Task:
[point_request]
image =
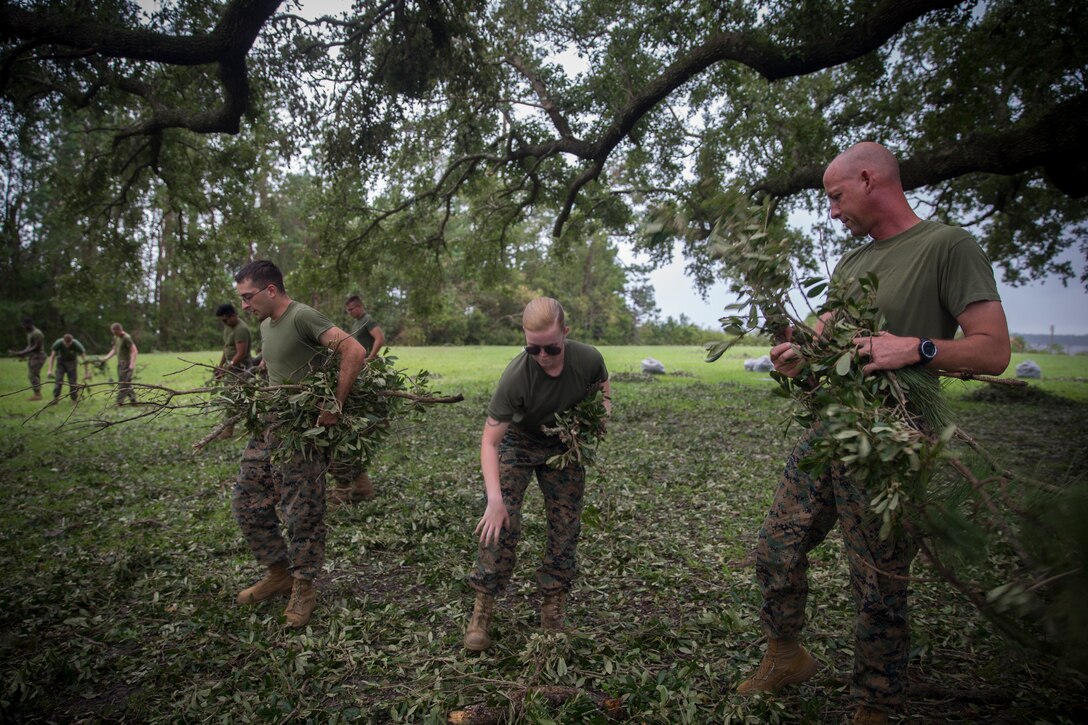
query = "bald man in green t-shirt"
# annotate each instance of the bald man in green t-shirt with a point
(550, 376)
(296, 338)
(933, 279)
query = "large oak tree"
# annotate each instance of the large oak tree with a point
(598, 113)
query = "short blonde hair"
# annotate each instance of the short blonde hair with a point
(541, 313)
(116, 326)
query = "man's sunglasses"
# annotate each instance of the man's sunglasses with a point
(552, 350)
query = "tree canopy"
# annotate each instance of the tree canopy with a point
(430, 136)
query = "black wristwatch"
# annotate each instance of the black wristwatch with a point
(927, 350)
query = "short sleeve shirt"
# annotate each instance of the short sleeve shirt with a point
(927, 276)
(122, 346)
(529, 398)
(66, 353)
(291, 345)
(232, 336)
(361, 331)
(36, 336)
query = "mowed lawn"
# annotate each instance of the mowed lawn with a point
(122, 562)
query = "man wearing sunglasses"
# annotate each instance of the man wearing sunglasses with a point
(295, 339)
(550, 376)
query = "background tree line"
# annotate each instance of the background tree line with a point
(173, 254)
(447, 158)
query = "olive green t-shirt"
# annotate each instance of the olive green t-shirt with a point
(36, 336)
(123, 347)
(291, 345)
(529, 398)
(231, 337)
(361, 331)
(66, 353)
(927, 276)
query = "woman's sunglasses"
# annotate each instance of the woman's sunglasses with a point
(552, 350)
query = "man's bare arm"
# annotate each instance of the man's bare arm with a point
(352, 359)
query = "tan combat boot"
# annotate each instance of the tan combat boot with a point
(339, 495)
(866, 715)
(552, 610)
(785, 662)
(361, 488)
(476, 637)
(301, 607)
(275, 583)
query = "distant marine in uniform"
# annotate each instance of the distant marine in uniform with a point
(34, 352)
(66, 352)
(124, 347)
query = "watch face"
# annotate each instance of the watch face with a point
(928, 349)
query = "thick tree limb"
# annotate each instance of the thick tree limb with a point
(752, 49)
(1055, 140)
(547, 103)
(226, 46)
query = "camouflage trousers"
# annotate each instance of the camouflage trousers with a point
(804, 511)
(298, 488)
(69, 369)
(34, 363)
(519, 458)
(124, 384)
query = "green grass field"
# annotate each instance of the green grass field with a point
(122, 562)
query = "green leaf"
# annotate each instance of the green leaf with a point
(842, 367)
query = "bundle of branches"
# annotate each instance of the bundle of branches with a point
(289, 412)
(99, 368)
(581, 429)
(1008, 543)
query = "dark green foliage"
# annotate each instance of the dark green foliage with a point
(581, 429)
(123, 562)
(289, 412)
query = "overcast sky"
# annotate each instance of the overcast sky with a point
(1030, 309)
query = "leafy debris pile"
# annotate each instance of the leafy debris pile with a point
(581, 429)
(380, 396)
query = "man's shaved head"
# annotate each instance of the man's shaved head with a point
(867, 155)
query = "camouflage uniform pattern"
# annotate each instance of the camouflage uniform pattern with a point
(804, 511)
(34, 363)
(298, 487)
(69, 368)
(519, 458)
(124, 384)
